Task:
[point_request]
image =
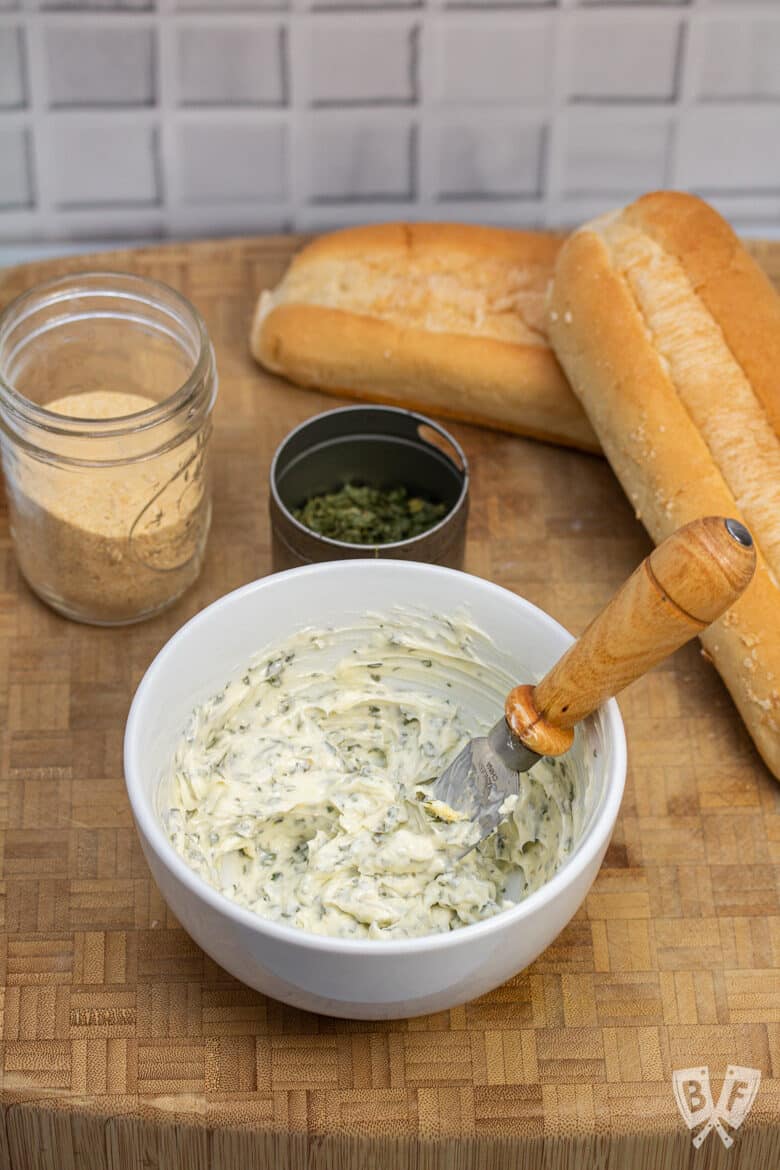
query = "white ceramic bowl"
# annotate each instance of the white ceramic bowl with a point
(346, 977)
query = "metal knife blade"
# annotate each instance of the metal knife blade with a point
(481, 777)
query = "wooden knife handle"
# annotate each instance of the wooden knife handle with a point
(683, 586)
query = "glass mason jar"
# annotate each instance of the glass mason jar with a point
(107, 383)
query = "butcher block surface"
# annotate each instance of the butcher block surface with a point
(125, 1047)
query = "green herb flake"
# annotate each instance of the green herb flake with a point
(368, 515)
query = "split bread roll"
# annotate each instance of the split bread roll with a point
(439, 317)
(670, 335)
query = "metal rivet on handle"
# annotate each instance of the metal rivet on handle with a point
(740, 533)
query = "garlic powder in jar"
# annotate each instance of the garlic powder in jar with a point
(107, 383)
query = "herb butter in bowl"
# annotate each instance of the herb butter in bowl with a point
(298, 790)
(279, 795)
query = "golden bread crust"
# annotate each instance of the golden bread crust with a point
(735, 289)
(379, 361)
(446, 318)
(611, 290)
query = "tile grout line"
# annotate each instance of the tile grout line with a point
(428, 135)
(39, 158)
(558, 127)
(167, 146)
(688, 70)
(297, 114)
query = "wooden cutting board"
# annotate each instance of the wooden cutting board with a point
(124, 1047)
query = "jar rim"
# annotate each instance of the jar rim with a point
(49, 292)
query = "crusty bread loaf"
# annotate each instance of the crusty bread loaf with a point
(670, 335)
(442, 317)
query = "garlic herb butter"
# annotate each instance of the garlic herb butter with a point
(298, 790)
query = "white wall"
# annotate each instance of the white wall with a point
(134, 118)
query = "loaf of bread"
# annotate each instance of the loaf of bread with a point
(670, 335)
(441, 317)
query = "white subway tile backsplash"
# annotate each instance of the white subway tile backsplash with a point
(190, 116)
(496, 61)
(104, 164)
(730, 149)
(618, 56)
(239, 65)
(224, 163)
(15, 179)
(12, 68)
(362, 158)
(498, 4)
(230, 5)
(368, 5)
(89, 5)
(100, 66)
(626, 3)
(614, 152)
(741, 58)
(362, 62)
(489, 158)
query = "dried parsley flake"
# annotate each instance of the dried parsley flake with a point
(369, 515)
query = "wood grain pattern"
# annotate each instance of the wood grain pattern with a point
(688, 581)
(124, 1046)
